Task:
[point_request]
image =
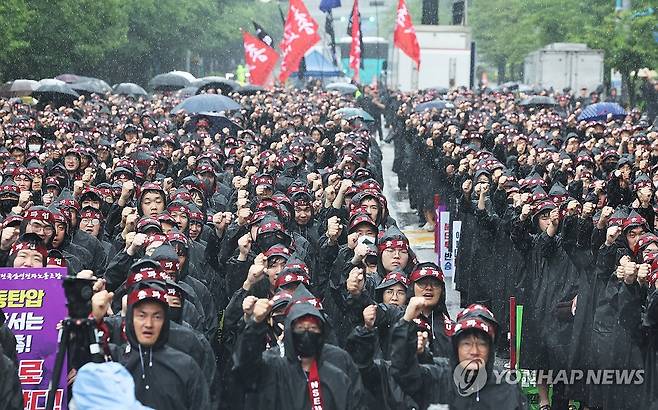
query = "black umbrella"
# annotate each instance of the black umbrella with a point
(538, 100)
(186, 92)
(60, 94)
(216, 122)
(169, 81)
(131, 89)
(206, 103)
(250, 89)
(18, 88)
(92, 86)
(439, 89)
(227, 86)
(435, 104)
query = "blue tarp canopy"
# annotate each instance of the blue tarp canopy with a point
(318, 65)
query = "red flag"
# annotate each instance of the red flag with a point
(259, 58)
(405, 34)
(355, 49)
(299, 34)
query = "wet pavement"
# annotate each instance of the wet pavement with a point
(422, 242)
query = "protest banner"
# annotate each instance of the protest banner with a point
(34, 303)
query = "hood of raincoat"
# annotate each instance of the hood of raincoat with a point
(303, 303)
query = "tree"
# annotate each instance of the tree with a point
(74, 36)
(627, 39)
(503, 32)
(14, 17)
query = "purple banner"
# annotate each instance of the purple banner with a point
(33, 301)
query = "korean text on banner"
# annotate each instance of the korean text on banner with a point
(33, 301)
(445, 248)
(456, 236)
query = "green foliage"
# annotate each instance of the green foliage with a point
(125, 40)
(14, 17)
(506, 30)
(64, 36)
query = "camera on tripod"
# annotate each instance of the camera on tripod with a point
(78, 339)
(78, 293)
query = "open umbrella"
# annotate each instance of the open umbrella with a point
(216, 121)
(227, 86)
(343, 88)
(538, 100)
(92, 86)
(50, 81)
(439, 89)
(435, 104)
(600, 111)
(71, 78)
(18, 88)
(55, 93)
(185, 74)
(349, 113)
(131, 89)
(169, 81)
(250, 89)
(206, 103)
(187, 92)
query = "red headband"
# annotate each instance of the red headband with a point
(39, 215)
(289, 278)
(426, 272)
(146, 273)
(169, 265)
(397, 277)
(21, 246)
(393, 244)
(473, 308)
(142, 294)
(91, 214)
(474, 323)
(53, 261)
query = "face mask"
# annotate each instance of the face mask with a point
(34, 147)
(7, 204)
(307, 344)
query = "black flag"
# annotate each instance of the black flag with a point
(262, 35)
(329, 29)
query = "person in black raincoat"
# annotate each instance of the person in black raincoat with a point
(300, 378)
(472, 347)
(164, 378)
(11, 393)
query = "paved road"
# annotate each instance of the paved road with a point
(421, 242)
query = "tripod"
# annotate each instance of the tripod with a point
(83, 349)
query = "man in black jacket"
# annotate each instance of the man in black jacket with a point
(302, 378)
(165, 378)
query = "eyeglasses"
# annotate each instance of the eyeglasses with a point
(399, 252)
(37, 227)
(395, 292)
(92, 222)
(429, 283)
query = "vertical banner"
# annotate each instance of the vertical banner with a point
(456, 236)
(445, 249)
(34, 303)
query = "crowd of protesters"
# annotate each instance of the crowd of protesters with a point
(557, 212)
(250, 261)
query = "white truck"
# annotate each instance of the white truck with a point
(445, 59)
(562, 65)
